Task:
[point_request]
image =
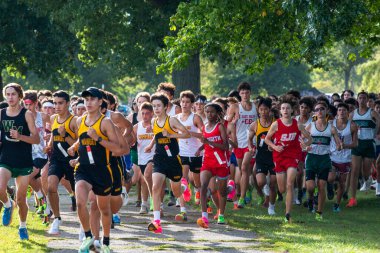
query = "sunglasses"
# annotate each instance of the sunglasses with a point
(320, 109)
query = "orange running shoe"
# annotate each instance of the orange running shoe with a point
(155, 227)
(236, 207)
(203, 222)
(197, 197)
(187, 193)
(209, 210)
(352, 202)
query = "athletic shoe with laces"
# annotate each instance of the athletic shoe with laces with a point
(144, 210)
(138, 203)
(352, 202)
(366, 185)
(271, 211)
(155, 227)
(186, 193)
(231, 191)
(86, 244)
(318, 216)
(73, 204)
(241, 203)
(177, 204)
(41, 209)
(81, 234)
(221, 220)
(378, 189)
(8, 214)
(105, 249)
(97, 246)
(125, 198)
(116, 218)
(197, 197)
(288, 219)
(182, 216)
(203, 222)
(279, 197)
(54, 229)
(248, 197)
(23, 233)
(336, 208)
(172, 201)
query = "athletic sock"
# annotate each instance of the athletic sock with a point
(88, 234)
(205, 215)
(144, 203)
(183, 209)
(156, 215)
(106, 241)
(22, 224)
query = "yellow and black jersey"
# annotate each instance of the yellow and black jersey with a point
(60, 146)
(165, 146)
(263, 153)
(90, 151)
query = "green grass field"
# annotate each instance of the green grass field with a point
(37, 242)
(351, 230)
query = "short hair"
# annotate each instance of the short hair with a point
(187, 94)
(79, 101)
(308, 101)
(223, 101)
(323, 103)
(234, 94)
(275, 97)
(336, 95)
(143, 94)
(62, 94)
(266, 102)
(324, 99)
(147, 106)
(232, 100)
(377, 102)
(244, 86)
(363, 93)
(104, 104)
(17, 87)
(74, 98)
(338, 100)
(372, 95)
(201, 97)
(160, 96)
(218, 109)
(31, 95)
(343, 105)
(110, 97)
(349, 91)
(288, 99)
(294, 93)
(46, 93)
(169, 87)
(351, 101)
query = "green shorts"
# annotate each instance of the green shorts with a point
(365, 148)
(16, 172)
(134, 157)
(317, 165)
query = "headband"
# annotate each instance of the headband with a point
(80, 105)
(199, 100)
(47, 104)
(28, 101)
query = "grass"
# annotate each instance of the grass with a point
(37, 242)
(351, 230)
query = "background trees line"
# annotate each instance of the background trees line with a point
(275, 44)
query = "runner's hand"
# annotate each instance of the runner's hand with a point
(14, 134)
(92, 134)
(71, 151)
(279, 149)
(62, 131)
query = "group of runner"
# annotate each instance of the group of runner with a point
(221, 149)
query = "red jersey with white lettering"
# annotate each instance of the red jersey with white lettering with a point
(213, 156)
(289, 137)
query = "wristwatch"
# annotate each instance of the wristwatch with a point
(99, 139)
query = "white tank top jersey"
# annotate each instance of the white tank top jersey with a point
(321, 140)
(342, 156)
(143, 140)
(366, 125)
(188, 147)
(38, 149)
(243, 123)
(171, 113)
(307, 122)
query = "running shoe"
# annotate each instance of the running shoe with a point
(181, 217)
(73, 204)
(336, 208)
(29, 192)
(221, 220)
(81, 234)
(330, 191)
(171, 201)
(266, 190)
(197, 197)
(155, 227)
(23, 233)
(186, 193)
(138, 203)
(203, 222)
(105, 249)
(235, 207)
(271, 211)
(41, 209)
(352, 202)
(310, 205)
(241, 203)
(54, 229)
(209, 210)
(116, 219)
(97, 246)
(144, 210)
(86, 244)
(288, 219)
(378, 189)
(231, 191)
(260, 200)
(248, 197)
(46, 218)
(125, 198)
(8, 214)
(345, 196)
(177, 204)
(279, 197)
(318, 217)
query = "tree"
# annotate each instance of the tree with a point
(255, 34)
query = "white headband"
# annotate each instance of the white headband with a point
(80, 105)
(47, 104)
(199, 100)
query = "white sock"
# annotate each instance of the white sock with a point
(144, 203)
(156, 215)
(39, 194)
(123, 190)
(205, 215)
(271, 205)
(8, 203)
(22, 224)
(183, 209)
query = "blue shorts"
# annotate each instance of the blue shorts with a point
(233, 159)
(128, 162)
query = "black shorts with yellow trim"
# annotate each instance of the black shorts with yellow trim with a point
(171, 167)
(62, 169)
(99, 177)
(117, 172)
(195, 163)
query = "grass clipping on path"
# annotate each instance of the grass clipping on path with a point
(352, 230)
(10, 241)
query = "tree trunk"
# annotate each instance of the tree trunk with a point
(1, 85)
(347, 77)
(188, 78)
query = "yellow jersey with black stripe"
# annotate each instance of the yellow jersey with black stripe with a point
(165, 146)
(263, 154)
(90, 151)
(60, 146)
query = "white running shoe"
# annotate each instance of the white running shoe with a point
(125, 198)
(97, 245)
(81, 236)
(266, 190)
(366, 185)
(378, 189)
(177, 204)
(271, 211)
(144, 210)
(54, 229)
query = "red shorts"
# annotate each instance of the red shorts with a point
(303, 156)
(239, 152)
(342, 168)
(221, 172)
(282, 164)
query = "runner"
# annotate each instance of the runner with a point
(18, 133)
(167, 163)
(199, 107)
(286, 149)
(377, 140)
